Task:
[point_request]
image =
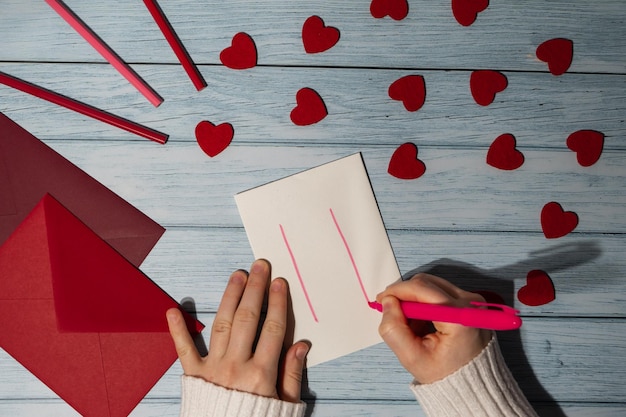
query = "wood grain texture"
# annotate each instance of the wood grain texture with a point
(429, 37)
(463, 220)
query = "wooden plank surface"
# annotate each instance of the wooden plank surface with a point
(463, 220)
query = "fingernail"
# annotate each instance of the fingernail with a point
(258, 266)
(301, 352)
(277, 285)
(172, 316)
(237, 277)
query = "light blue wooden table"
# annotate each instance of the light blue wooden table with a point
(463, 219)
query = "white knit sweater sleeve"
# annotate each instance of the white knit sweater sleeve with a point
(482, 388)
(204, 399)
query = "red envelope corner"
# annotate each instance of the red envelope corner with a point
(81, 317)
(29, 169)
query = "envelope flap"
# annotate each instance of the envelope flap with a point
(95, 288)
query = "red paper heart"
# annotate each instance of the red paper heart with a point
(396, 9)
(214, 139)
(557, 53)
(588, 146)
(485, 84)
(503, 154)
(466, 11)
(539, 289)
(241, 54)
(310, 107)
(404, 163)
(555, 222)
(410, 90)
(317, 37)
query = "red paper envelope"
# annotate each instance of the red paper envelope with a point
(29, 169)
(79, 316)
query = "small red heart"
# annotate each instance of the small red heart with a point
(555, 222)
(466, 11)
(396, 9)
(410, 90)
(485, 84)
(241, 54)
(539, 289)
(587, 144)
(557, 53)
(404, 163)
(310, 108)
(317, 37)
(214, 139)
(503, 154)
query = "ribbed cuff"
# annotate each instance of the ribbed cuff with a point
(482, 388)
(204, 399)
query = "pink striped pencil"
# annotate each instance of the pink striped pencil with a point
(176, 44)
(82, 108)
(114, 59)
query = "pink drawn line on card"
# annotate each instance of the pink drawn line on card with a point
(105, 50)
(345, 243)
(295, 265)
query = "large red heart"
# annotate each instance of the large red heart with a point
(503, 154)
(466, 11)
(310, 107)
(557, 53)
(539, 289)
(404, 163)
(410, 90)
(214, 139)
(396, 9)
(241, 54)
(485, 84)
(588, 146)
(317, 37)
(555, 222)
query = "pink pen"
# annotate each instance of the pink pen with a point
(504, 318)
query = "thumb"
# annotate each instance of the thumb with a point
(290, 383)
(397, 334)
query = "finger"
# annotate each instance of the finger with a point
(290, 383)
(223, 323)
(246, 320)
(270, 343)
(185, 348)
(397, 334)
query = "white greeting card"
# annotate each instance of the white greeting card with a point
(321, 229)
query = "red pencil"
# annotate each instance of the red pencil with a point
(114, 59)
(82, 108)
(176, 44)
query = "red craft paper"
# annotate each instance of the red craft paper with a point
(404, 163)
(80, 317)
(556, 222)
(214, 139)
(241, 54)
(29, 169)
(485, 84)
(396, 9)
(588, 146)
(539, 289)
(310, 108)
(466, 11)
(557, 53)
(410, 90)
(503, 153)
(317, 37)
